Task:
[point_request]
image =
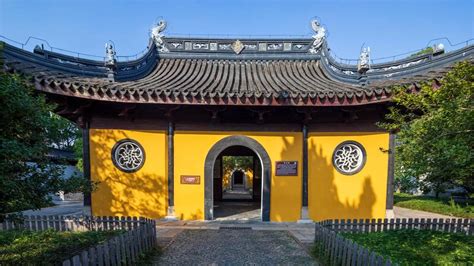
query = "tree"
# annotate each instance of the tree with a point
(78, 152)
(62, 134)
(65, 135)
(435, 126)
(28, 130)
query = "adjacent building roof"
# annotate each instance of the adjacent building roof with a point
(227, 72)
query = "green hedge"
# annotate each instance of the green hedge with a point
(46, 247)
(419, 247)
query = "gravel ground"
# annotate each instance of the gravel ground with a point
(234, 247)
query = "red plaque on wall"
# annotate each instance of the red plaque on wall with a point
(286, 168)
(190, 179)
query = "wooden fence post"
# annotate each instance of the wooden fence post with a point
(129, 246)
(107, 253)
(111, 245)
(76, 261)
(416, 223)
(379, 225)
(465, 229)
(355, 254)
(92, 256)
(470, 230)
(85, 258)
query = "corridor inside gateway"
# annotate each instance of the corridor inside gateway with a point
(237, 185)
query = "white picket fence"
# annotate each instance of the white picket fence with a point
(124, 249)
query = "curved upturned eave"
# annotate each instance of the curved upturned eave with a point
(266, 79)
(131, 98)
(394, 70)
(75, 66)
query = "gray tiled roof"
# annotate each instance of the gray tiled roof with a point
(293, 77)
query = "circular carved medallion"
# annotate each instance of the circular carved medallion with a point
(128, 155)
(349, 157)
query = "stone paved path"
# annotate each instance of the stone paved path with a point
(237, 211)
(61, 208)
(168, 230)
(400, 212)
(234, 247)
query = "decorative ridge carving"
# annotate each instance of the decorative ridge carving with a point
(318, 38)
(237, 46)
(110, 61)
(157, 36)
(364, 61)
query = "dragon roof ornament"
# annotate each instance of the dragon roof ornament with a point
(157, 36)
(363, 64)
(319, 37)
(110, 60)
(110, 54)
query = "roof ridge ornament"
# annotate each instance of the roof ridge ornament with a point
(157, 36)
(238, 46)
(364, 60)
(319, 37)
(110, 60)
(110, 53)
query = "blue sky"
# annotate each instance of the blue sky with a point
(388, 27)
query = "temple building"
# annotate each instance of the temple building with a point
(159, 130)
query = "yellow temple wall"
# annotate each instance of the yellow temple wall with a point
(191, 149)
(142, 193)
(333, 195)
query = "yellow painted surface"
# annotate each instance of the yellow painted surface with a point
(143, 193)
(191, 149)
(331, 194)
(334, 195)
(249, 178)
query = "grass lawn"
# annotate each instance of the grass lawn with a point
(46, 247)
(430, 204)
(408, 247)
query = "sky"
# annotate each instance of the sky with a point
(387, 27)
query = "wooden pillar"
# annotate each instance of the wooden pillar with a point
(171, 214)
(305, 166)
(86, 163)
(390, 177)
(304, 218)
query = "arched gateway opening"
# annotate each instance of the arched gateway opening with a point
(213, 176)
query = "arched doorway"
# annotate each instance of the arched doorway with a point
(229, 143)
(238, 178)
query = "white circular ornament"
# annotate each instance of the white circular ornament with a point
(128, 155)
(349, 157)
